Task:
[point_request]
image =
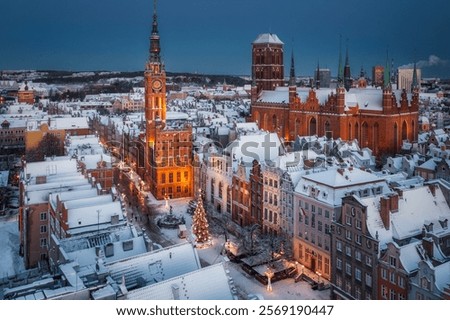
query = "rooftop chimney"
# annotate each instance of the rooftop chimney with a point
(428, 245)
(175, 291)
(394, 202)
(384, 211)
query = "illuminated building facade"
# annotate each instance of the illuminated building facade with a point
(169, 146)
(378, 119)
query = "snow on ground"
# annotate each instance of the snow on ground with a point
(10, 263)
(285, 289)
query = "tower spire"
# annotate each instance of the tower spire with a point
(155, 48)
(387, 72)
(318, 75)
(340, 76)
(292, 71)
(414, 84)
(347, 73)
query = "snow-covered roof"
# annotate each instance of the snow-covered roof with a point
(409, 256)
(93, 214)
(247, 127)
(442, 276)
(416, 207)
(71, 195)
(91, 161)
(123, 249)
(87, 201)
(330, 186)
(339, 178)
(50, 167)
(268, 38)
(62, 123)
(4, 176)
(261, 146)
(430, 164)
(279, 95)
(155, 266)
(173, 115)
(365, 98)
(210, 283)
(39, 193)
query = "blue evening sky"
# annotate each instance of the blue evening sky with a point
(214, 36)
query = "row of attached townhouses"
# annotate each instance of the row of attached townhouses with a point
(372, 235)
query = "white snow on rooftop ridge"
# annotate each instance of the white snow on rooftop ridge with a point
(338, 178)
(87, 201)
(268, 38)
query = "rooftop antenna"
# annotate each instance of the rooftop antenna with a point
(98, 218)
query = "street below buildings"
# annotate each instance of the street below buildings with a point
(145, 216)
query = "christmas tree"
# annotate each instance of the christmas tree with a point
(200, 224)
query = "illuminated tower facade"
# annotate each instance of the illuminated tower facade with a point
(169, 171)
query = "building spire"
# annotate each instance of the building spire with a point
(347, 74)
(387, 72)
(155, 48)
(292, 81)
(340, 76)
(318, 75)
(415, 83)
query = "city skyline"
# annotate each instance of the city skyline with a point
(212, 37)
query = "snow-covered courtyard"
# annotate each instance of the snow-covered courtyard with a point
(245, 284)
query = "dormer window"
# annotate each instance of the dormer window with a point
(429, 227)
(444, 223)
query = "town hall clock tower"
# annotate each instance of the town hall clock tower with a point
(168, 165)
(155, 85)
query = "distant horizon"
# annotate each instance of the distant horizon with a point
(212, 37)
(184, 72)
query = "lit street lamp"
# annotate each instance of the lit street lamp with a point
(269, 274)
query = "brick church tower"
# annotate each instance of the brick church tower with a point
(267, 62)
(168, 167)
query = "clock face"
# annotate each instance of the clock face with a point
(157, 84)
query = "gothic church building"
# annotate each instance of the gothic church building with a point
(380, 119)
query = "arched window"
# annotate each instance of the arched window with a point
(356, 134)
(212, 189)
(297, 126)
(274, 122)
(404, 131)
(364, 135)
(328, 132)
(395, 137)
(312, 127)
(220, 190)
(376, 137)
